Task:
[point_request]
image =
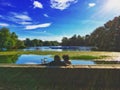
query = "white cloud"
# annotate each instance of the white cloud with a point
(38, 26)
(4, 24)
(25, 23)
(21, 16)
(92, 4)
(62, 4)
(37, 4)
(45, 15)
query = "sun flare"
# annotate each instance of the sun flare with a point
(111, 5)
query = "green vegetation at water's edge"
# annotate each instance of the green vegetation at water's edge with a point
(72, 54)
(88, 57)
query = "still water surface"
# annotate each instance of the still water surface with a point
(60, 48)
(39, 59)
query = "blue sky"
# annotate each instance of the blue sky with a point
(54, 19)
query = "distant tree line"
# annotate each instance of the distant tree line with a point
(76, 40)
(106, 38)
(37, 42)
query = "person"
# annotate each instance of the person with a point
(57, 62)
(66, 59)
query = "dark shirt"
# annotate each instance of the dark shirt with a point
(56, 63)
(67, 62)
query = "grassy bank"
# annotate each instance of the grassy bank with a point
(72, 54)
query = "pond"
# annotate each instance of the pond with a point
(59, 48)
(39, 59)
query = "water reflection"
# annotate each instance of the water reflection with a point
(33, 59)
(8, 58)
(39, 59)
(59, 48)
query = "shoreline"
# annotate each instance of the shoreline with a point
(91, 55)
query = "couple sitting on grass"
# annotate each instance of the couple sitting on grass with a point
(57, 61)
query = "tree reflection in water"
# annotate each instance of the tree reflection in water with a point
(8, 58)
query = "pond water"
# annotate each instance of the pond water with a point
(60, 48)
(39, 59)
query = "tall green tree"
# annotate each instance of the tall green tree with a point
(107, 37)
(7, 40)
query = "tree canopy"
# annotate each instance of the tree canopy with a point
(107, 37)
(8, 40)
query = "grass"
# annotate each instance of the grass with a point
(87, 57)
(73, 54)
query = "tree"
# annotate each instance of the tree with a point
(107, 37)
(73, 41)
(28, 42)
(47, 43)
(20, 44)
(7, 40)
(65, 41)
(35, 42)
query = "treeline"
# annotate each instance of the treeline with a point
(76, 40)
(9, 41)
(104, 38)
(37, 42)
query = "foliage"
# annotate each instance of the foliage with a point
(37, 42)
(87, 57)
(107, 37)
(8, 59)
(8, 40)
(75, 41)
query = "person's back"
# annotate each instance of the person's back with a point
(66, 59)
(57, 62)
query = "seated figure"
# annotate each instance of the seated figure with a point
(57, 62)
(66, 59)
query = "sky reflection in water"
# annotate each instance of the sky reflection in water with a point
(37, 59)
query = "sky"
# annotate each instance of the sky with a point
(54, 19)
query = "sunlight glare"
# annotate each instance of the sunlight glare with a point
(112, 5)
